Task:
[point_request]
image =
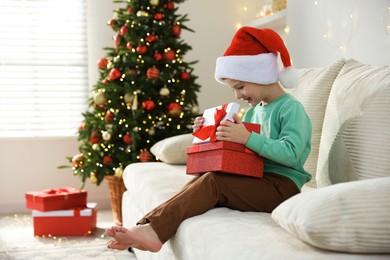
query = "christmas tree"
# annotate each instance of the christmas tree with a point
(146, 91)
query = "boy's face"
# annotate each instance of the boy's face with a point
(251, 93)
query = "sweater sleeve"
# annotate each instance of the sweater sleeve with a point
(287, 143)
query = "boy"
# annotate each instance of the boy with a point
(249, 68)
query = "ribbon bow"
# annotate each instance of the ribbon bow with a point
(57, 191)
(210, 130)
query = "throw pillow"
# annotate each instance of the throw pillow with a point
(172, 150)
(312, 91)
(355, 137)
(348, 217)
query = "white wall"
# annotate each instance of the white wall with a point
(363, 35)
(29, 164)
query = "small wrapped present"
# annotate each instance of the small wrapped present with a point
(209, 155)
(56, 199)
(71, 222)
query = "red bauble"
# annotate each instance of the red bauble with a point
(117, 39)
(129, 10)
(169, 6)
(157, 56)
(109, 117)
(174, 109)
(185, 75)
(127, 139)
(142, 49)
(158, 16)
(105, 81)
(114, 74)
(129, 45)
(151, 38)
(111, 23)
(169, 55)
(95, 137)
(102, 63)
(176, 30)
(152, 73)
(145, 156)
(124, 29)
(148, 105)
(107, 160)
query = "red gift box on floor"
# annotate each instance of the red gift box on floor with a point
(55, 199)
(71, 222)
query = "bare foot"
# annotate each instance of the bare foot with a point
(142, 237)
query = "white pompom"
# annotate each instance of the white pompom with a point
(289, 76)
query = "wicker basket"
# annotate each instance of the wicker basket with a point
(116, 188)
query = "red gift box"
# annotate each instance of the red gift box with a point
(224, 157)
(72, 222)
(55, 199)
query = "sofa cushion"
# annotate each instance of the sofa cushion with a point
(355, 141)
(347, 217)
(220, 233)
(312, 91)
(152, 183)
(172, 150)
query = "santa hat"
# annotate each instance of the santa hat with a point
(252, 57)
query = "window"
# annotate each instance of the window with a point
(43, 67)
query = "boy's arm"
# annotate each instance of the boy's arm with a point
(288, 147)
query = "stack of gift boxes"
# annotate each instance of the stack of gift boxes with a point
(207, 154)
(61, 212)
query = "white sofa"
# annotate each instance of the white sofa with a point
(343, 213)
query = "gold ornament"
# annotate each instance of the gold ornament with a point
(135, 102)
(142, 13)
(154, 2)
(99, 98)
(106, 136)
(128, 98)
(95, 147)
(92, 178)
(118, 172)
(152, 131)
(195, 110)
(164, 91)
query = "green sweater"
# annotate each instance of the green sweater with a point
(285, 138)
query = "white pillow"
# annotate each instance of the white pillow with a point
(172, 150)
(347, 217)
(312, 91)
(355, 141)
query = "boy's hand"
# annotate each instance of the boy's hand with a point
(233, 132)
(198, 122)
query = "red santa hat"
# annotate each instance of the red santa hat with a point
(252, 57)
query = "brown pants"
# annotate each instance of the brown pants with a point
(219, 190)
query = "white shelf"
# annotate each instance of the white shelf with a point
(275, 20)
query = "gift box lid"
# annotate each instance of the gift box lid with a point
(54, 194)
(88, 211)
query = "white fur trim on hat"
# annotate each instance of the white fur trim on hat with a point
(288, 77)
(260, 69)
